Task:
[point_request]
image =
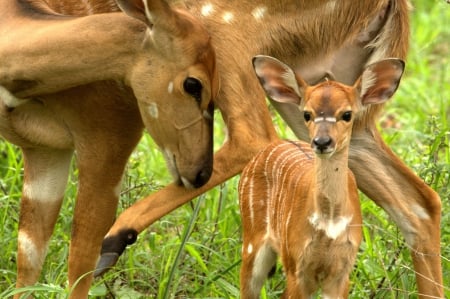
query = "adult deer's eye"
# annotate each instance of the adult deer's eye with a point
(347, 116)
(193, 87)
(307, 116)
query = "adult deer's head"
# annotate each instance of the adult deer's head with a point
(175, 80)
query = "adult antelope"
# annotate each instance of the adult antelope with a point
(162, 57)
(324, 37)
(307, 210)
(318, 39)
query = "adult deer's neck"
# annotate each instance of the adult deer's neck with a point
(331, 212)
(49, 47)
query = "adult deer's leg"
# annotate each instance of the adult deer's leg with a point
(411, 204)
(45, 178)
(101, 169)
(227, 163)
(229, 160)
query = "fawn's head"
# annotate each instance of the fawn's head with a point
(329, 108)
(175, 80)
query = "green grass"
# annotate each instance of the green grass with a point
(195, 251)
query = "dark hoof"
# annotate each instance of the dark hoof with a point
(106, 261)
(112, 248)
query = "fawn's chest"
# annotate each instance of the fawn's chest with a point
(319, 250)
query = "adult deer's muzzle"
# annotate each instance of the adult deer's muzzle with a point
(190, 156)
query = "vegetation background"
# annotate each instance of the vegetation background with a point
(195, 251)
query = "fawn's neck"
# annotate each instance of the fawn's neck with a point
(331, 205)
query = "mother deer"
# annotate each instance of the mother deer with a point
(326, 38)
(318, 39)
(71, 84)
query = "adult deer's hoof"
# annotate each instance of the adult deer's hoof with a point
(113, 246)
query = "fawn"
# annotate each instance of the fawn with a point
(300, 201)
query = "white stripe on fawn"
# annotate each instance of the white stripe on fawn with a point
(327, 119)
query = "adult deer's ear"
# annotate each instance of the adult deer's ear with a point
(150, 12)
(379, 81)
(278, 80)
(134, 8)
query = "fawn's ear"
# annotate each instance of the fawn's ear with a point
(379, 81)
(278, 80)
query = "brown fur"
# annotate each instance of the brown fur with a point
(379, 173)
(90, 84)
(307, 210)
(291, 24)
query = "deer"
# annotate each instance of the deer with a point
(300, 201)
(317, 38)
(334, 39)
(86, 78)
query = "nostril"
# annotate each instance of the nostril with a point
(202, 177)
(322, 142)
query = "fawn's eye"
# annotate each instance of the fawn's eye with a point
(193, 87)
(307, 116)
(347, 116)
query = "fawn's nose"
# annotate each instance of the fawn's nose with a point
(322, 143)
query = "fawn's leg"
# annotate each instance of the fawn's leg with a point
(45, 178)
(294, 289)
(337, 290)
(257, 261)
(412, 205)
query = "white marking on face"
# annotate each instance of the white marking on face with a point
(259, 12)
(228, 17)
(332, 228)
(153, 110)
(207, 9)
(48, 186)
(420, 212)
(34, 256)
(326, 119)
(9, 99)
(170, 87)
